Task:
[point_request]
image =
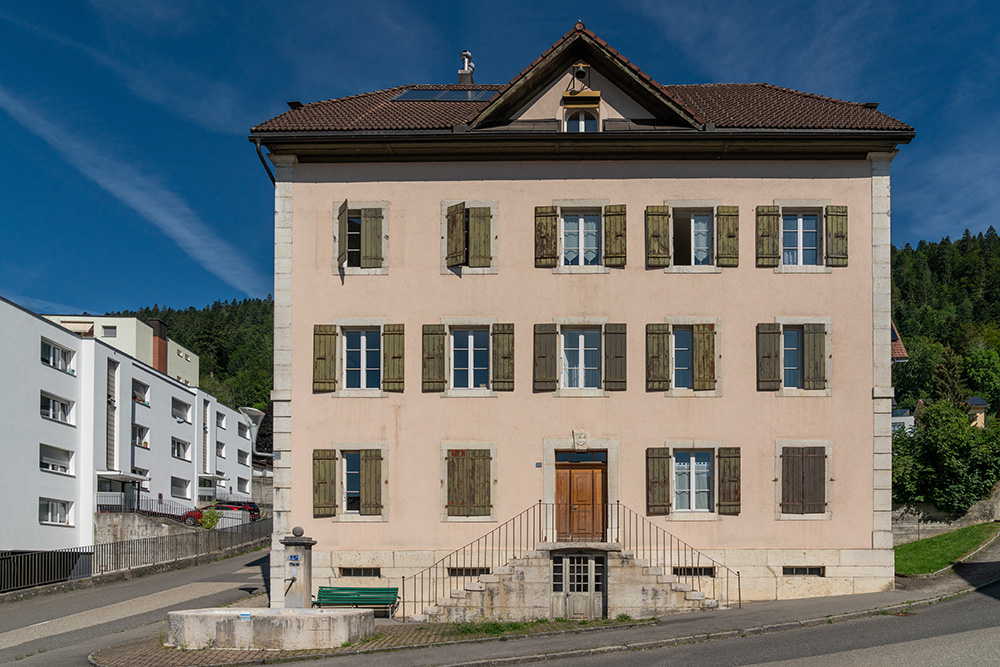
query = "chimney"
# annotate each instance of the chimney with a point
(468, 67)
(159, 345)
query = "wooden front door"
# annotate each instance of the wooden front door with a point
(580, 501)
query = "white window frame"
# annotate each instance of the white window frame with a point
(59, 357)
(242, 457)
(342, 514)
(692, 489)
(65, 510)
(242, 485)
(184, 447)
(139, 436)
(354, 205)
(468, 336)
(579, 332)
(674, 349)
(60, 410)
(220, 482)
(681, 215)
(808, 206)
(710, 446)
(140, 392)
(63, 465)
(176, 403)
(593, 112)
(220, 449)
(344, 473)
(364, 369)
(681, 207)
(580, 214)
(220, 420)
(690, 322)
(800, 231)
(799, 368)
(109, 331)
(827, 323)
(185, 490)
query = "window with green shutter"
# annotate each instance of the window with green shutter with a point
(657, 236)
(727, 236)
(503, 357)
(814, 352)
(657, 357)
(836, 236)
(469, 233)
(392, 359)
(768, 240)
(704, 357)
(468, 482)
(729, 480)
(614, 236)
(324, 357)
(433, 375)
(546, 236)
(324, 483)
(371, 482)
(615, 359)
(545, 375)
(371, 238)
(359, 237)
(768, 357)
(658, 496)
(803, 480)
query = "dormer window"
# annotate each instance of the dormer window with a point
(579, 120)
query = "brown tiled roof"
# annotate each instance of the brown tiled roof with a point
(899, 352)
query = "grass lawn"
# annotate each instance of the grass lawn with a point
(934, 553)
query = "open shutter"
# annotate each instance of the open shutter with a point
(546, 236)
(480, 254)
(455, 225)
(371, 482)
(704, 357)
(615, 361)
(503, 357)
(658, 481)
(814, 350)
(657, 236)
(342, 234)
(456, 502)
(371, 238)
(768, 246)
(479, 482)
(614, 235)
(324, 482)
(727, 237)
(768, 357)
(657, 357)
(324, 357)
(836, 236)
(545, 358)
(729, 480)
(392, 357)
(433, 370)
(791, 480)
(813, 480)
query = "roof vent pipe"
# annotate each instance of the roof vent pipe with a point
(468, 67)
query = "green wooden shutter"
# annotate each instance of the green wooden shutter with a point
(371, 238)
(456, 502)
(768, 242)
(503, 357)
(480, 235)
(813, 480)
(791, 480)
(455, 242)
(546, 347)
(814, 351)
(658, 481)
(392, 357)
(836, 236)
(324, 482)
(614, 235)
(704, 357)
(342, 234)
(657, 357)
(729, 480)
(324, 357)
(546, 236)
(468, 482)
(479, 482)
(615, 360)
(433, 368)
(727, 236)
(371, 482)
(657, 236)
(768, 357)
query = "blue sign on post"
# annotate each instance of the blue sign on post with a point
(293, 558)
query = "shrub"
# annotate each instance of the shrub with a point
(209, 518)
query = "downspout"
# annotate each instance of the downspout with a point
(264, 162)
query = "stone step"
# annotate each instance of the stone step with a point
(489, 578)
(537, 554)
(666, 579)
(459, 593)
(503, 569)
(709, 603)
(694, 595)
(514, 562)
(680, 587)
(475, 586)
(433, 611)
(418, 618)
(447, 602)
(641, 562)
(649, 571)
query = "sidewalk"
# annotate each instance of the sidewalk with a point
(565, 640)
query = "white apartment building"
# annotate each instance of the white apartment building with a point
(83, 419)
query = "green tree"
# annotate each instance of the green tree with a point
(948, 383)
(981, 367)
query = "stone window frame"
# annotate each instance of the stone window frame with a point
(492, 269)
(342, 516)
(694, 205)
(828, 481)
(798, 321)
(802, 205)
(357, 270)
(561, 204)
(466, 323)
(689, 321)
(494, 449)
(712, 446)
(358, 323)
(590, 322)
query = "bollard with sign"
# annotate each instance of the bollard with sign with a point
(298, 570)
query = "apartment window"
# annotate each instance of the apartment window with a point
(692, 237)
(468, 236)
(470, 358)
(242, 485)
(352, 482)
(54, 512)
(180, 410)
(362, 358)
(792, 356)
(109, 332)
(140, 436)
(803, 480)
(56, 409)
(220, 450)
(581, 358)
(581, 237)
(692, 481)
(180, 449)
(142, 472)
(55, 356)
(360, 237)
(800, 234)
(243, 431)
(683, 357)
(468, 480)
(243, 458)
(220, 420)
(140, 392)
(349, 480)
(180, 488)
(53, 459)
(581, 121)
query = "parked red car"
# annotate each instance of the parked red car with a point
(194, 516)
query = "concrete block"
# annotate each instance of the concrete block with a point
(503, 569)
(781, 557)
(882, 499)
(883, 479)
(652, 571)
(882, 445)
(882, 539)
(740, 558)
(709, 603)
(475, 586)
(362, 558)
(666, 579)
(459, 594)
(489, 578)
(413, 558)
(883, 461)
(282, 629)
(680, 587)
(694, 595)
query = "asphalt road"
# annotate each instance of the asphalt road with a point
(64, 628)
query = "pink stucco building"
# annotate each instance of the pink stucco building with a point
(590, 315)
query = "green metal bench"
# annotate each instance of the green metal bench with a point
(336, 596)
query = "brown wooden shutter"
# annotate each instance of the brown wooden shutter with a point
(342, 234)
(392, 357)
(371, 238)
(455, 237)
(480, 235)
(468, 472)
(546, 236)
(658, 481)
(814, 351)
(324, 357)
(836, 236)
(768, 242)
(433, 368)
(615, 360)
(546, 348)
(791, 480)
(813, 480)
(324, 482)
(503, 357)
(768, 357)
(729, 480)
(657, 357)
(727, 236)
(614, 235)
(371, 482)
(704, 357)
(657, 236)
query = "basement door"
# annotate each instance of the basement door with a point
(579, 583)
(581, 488)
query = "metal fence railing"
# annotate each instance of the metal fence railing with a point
(117, 501)
(25, 570)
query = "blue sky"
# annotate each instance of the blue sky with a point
(129, 181)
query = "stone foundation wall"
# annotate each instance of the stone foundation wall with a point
(916, 522)
(117, 526)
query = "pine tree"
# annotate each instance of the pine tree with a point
(948, 383)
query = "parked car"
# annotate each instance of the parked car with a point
(253, 508)
(194, 516)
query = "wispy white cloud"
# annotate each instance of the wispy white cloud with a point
(44, 307)
(144, 194)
